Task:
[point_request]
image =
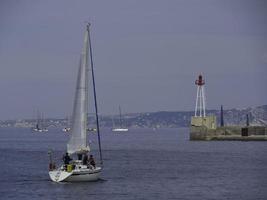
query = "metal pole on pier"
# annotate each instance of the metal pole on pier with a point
(222, 117)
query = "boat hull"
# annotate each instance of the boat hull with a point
(120, 129)
(66, 129)
(83, 175)
(40, 130)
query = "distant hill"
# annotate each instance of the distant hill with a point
(257, 116)
(171, 119)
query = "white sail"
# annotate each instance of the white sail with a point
(78, 136)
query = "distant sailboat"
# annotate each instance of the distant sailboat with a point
(77, 170)
(93, 130)
(40, 123)
(90, 128)
(120, 128)
(67, 127)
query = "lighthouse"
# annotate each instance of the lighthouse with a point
(200, 121)
(200, 108)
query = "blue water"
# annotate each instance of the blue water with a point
(140, 164)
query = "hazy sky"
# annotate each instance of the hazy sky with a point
(147, 54)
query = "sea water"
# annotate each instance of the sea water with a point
(139, 164)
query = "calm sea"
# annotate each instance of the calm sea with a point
(141, 164)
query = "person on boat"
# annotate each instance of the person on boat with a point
(85, 159)
(92, 161)
(79, 155)
(67, 159)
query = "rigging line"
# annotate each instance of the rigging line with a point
(96, 110)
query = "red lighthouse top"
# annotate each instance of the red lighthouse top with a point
(200, 81)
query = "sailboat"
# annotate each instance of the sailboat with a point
(67, 128)
(40, 123)
(77, 170)
(120, 128)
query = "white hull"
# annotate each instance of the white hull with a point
(120, 129)
(40, 130)
(66, 129)
(77, 175)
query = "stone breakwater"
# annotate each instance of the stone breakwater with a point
(232, 133)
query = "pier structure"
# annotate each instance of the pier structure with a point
(204, 127)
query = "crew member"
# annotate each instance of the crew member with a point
(67, 159)
(85, 159)
(92, 161)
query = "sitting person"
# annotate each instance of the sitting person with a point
(67, 159)
(85, 159)
(92, 161)
(79, 155)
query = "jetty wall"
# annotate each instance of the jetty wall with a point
(228, 133)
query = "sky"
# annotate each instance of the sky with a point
(147, 54)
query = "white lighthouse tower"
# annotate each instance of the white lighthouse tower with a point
(200, 119)
(200, 109)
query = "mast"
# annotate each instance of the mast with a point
(113, 123)
(38, 120)
(96, 110)
(43, 122)
(120, 117)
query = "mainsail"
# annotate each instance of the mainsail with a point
(78, 136)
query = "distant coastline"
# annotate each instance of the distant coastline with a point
(161, 119)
